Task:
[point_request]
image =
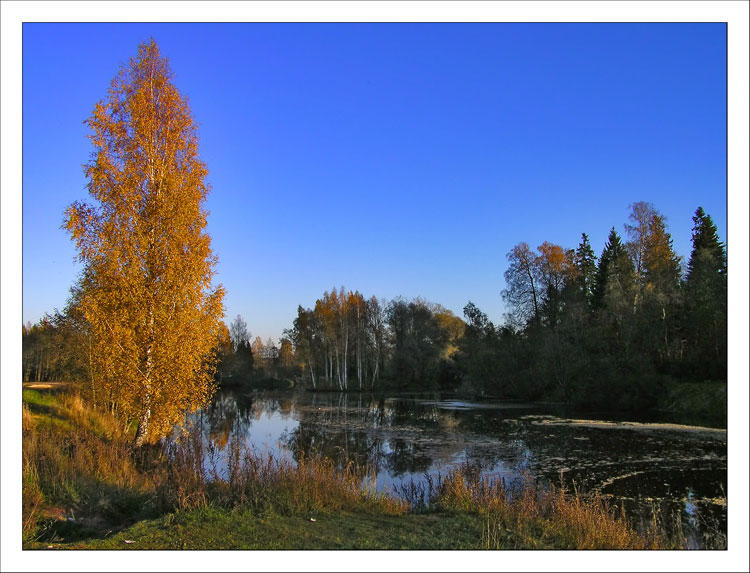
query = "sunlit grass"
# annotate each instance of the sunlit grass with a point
(532, 516)
(77, 464)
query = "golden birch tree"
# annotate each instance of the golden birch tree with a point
(148, 266)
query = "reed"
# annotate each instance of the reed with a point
(266, 483)
(532, 516)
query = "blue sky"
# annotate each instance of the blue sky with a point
(396, 159)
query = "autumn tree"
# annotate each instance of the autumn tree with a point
(535, 283)
(258, 350)
(661, 291)
(287, 360)
(345, 334)
(341, 318)
(554, 268)
(341, 306)
(358, 318)
(326, 315)
(148, 265)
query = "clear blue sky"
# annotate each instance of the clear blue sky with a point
(400, 159)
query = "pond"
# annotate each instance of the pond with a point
(678, 472)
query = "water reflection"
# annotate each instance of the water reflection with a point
(648, 469)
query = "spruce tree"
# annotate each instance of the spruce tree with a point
(708, 257)
(615, 271)
(585, 262)
(706, 299)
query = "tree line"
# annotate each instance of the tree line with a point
(604, 331)
(601, 331)
(242, 359)
(349, 342)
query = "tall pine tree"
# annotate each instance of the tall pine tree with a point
(585, 262)
(706, 299)
(615, 273)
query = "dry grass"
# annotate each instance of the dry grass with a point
(32, 498)
(77, 463)
(267, 483)
(532, 516)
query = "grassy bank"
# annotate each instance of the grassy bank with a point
(84, 488)
(700, 403)
(213, 528)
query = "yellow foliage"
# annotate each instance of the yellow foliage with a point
(147, 282)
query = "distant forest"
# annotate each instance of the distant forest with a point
(602, 332)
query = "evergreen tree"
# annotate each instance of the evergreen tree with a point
(613, 299)
(706, 299)
(708, 259)
(585, 262)
(615, 272)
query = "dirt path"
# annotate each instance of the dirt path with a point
(46, 385)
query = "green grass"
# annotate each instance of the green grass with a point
(77, 465)
(39, 398)
(212, 528)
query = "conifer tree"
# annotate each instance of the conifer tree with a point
(585, 262)
(615, 273)
(708, 257)
(148, 266)
(706, 298)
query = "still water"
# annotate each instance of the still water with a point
(679, 472)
